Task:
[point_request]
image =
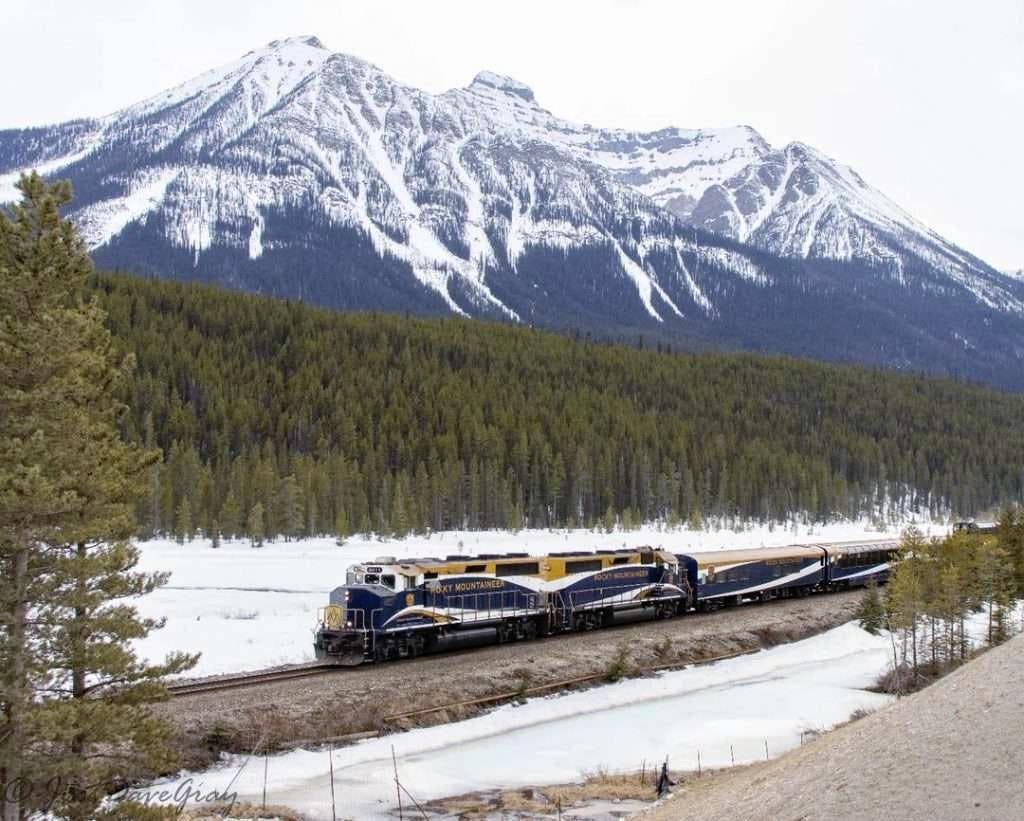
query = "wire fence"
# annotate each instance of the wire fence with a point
(661, 773)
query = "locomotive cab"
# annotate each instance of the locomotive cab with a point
(370, 591)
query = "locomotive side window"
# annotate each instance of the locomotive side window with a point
(372, 578)
(388, 581)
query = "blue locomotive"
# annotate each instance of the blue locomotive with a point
(390, 609)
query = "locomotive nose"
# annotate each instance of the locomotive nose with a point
(337, 640)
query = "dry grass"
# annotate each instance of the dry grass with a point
(606, 787)
(240, 812)
(535, 801)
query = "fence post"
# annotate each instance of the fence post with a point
(398, 787)
(265, 757)
(330, 758)
(766, 749)
(698, 763)
(732, 755)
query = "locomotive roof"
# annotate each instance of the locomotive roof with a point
(421, 561)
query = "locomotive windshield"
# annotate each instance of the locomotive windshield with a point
(356, 575)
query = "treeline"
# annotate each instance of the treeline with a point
(936, 587)
(279, 419)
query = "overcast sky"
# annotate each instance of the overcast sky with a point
(925, 99)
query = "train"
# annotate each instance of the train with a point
(976, 528)
(390, 609)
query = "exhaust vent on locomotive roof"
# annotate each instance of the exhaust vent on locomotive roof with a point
(384, 560)
(501, 556)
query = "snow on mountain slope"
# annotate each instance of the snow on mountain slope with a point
(450, 185)
(313, 175)
(799, 202)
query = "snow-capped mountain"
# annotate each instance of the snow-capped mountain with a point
(302, 173)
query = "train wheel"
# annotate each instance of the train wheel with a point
(415, 646)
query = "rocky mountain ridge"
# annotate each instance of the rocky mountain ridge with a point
(313, 175)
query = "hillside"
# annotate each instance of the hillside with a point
(952, 752)
(357, 422)
(301, 173)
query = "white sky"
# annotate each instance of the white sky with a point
(925, 99)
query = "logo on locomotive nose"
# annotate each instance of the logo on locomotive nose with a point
(410, 599)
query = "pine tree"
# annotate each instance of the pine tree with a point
(341, 527)
(231, 516)
(399, 507)
(68, 488)
(609, 519)
(254, 524)
(183, 531)
(290, 512)
(871, 613)
(989, 565)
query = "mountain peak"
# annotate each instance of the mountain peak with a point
(305, 40)
(501, 82)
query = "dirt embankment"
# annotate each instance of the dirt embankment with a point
(363, 699)
(952, 752)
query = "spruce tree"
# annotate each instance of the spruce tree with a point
(183, 521)
(341, 528)
(871, 613)
(73, 695)
(290, 508)
(255, 526)
(231, 516)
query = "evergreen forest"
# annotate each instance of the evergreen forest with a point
(278, 419)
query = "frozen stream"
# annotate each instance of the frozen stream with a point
(769, 698)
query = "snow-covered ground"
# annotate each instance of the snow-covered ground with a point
(245, 608)
(728, 711)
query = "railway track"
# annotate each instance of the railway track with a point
(231, 682)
